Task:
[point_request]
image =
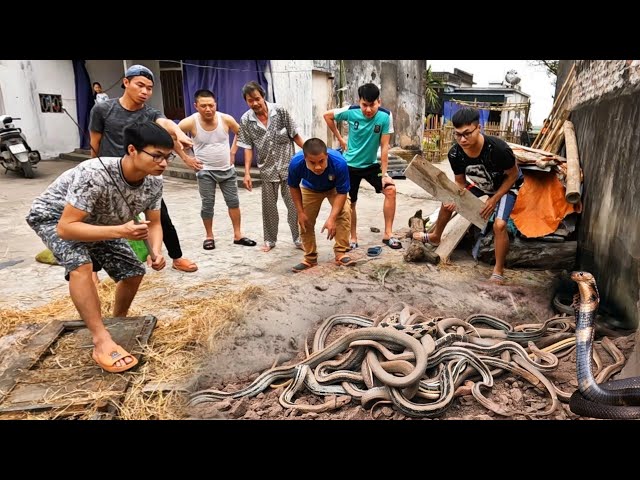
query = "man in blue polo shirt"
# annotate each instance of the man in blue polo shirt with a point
(316, 173)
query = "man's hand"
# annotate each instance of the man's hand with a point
(489, 207)
(330, 227)
(247, 182)
(192, 162)
(133, 231)
(343, 145)
(449, 207)
(387, 180)
(184, 139)
(158, 264)
(302, 221)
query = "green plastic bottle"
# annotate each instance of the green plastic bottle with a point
(139, 248)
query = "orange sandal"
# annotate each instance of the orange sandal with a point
(184, 265)
(107, 362)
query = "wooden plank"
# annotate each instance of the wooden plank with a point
(34, 349)
(572, 193)
(453, 233)
(43, 388)
(435, 181)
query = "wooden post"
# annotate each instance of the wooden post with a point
(435, 181)
(573, 164)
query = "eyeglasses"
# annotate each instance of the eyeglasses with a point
(465, 135)
(159, 158)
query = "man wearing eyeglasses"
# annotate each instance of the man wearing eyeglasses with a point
(485, 165)
(106, 125)
(86, 225)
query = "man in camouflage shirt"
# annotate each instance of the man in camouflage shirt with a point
(83, 218)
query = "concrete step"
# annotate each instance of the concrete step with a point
(178, 171)
(76, 157)
(83, 151)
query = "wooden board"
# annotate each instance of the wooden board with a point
(453, 233)
(40, 378)
(435, 181)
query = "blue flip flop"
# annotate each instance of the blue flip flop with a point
(374, 251)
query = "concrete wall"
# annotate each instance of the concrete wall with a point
(605, 111)
(292, 84)
(21, 82)
(109, 74)
(401, 85)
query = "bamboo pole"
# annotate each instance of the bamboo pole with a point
(573, 164)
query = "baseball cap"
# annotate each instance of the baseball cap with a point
(136, 70)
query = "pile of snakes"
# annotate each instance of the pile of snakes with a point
(420, 365)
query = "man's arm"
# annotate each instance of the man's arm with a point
(177, 134)
(296, 195)
(511, 175)
(234, 127)
(94, 140)
(248, 158)
(188, 126)
(155, 238)
(384, 160)
(71, 226)
(298, 139)
(329, 118)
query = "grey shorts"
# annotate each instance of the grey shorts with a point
(207, 181)
(116, 257)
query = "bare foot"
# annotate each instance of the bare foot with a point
(268, 246)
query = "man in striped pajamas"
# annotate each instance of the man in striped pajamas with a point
(491, 169)
(269, 130)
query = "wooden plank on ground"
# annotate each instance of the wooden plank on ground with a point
(37, 345)
(435, 181)
(453, 233)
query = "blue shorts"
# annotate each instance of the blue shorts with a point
(504, 206)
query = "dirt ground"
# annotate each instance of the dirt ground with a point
(274, 326)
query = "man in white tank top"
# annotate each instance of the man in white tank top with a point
(213, 161)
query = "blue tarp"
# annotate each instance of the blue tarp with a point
(452, 107)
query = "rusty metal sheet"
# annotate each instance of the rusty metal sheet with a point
(55, 370)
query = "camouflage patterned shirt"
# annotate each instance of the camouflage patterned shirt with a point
(88, 187)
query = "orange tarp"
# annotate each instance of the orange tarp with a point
(541, 205)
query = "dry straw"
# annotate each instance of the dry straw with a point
(189, 325)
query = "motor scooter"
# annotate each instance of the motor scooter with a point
(15, 153)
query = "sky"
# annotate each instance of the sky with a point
(534, 80)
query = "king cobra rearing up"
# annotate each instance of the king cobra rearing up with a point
(616, 399)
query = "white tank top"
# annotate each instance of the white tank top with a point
(212, 147)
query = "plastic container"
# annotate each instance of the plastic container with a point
(140, 249)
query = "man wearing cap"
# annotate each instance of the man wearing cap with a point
(107, 122)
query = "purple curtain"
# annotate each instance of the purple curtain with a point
(225, 78)
(84, 100)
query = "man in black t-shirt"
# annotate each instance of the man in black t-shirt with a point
(485, 165)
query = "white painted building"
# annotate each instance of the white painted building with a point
(21, 83)
(307, 88)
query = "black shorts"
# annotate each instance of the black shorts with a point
(372, 174)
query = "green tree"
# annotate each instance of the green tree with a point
(432, 88)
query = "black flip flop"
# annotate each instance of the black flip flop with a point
(247, 242)
(209, 244)
(392, 242)
(374, 251)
